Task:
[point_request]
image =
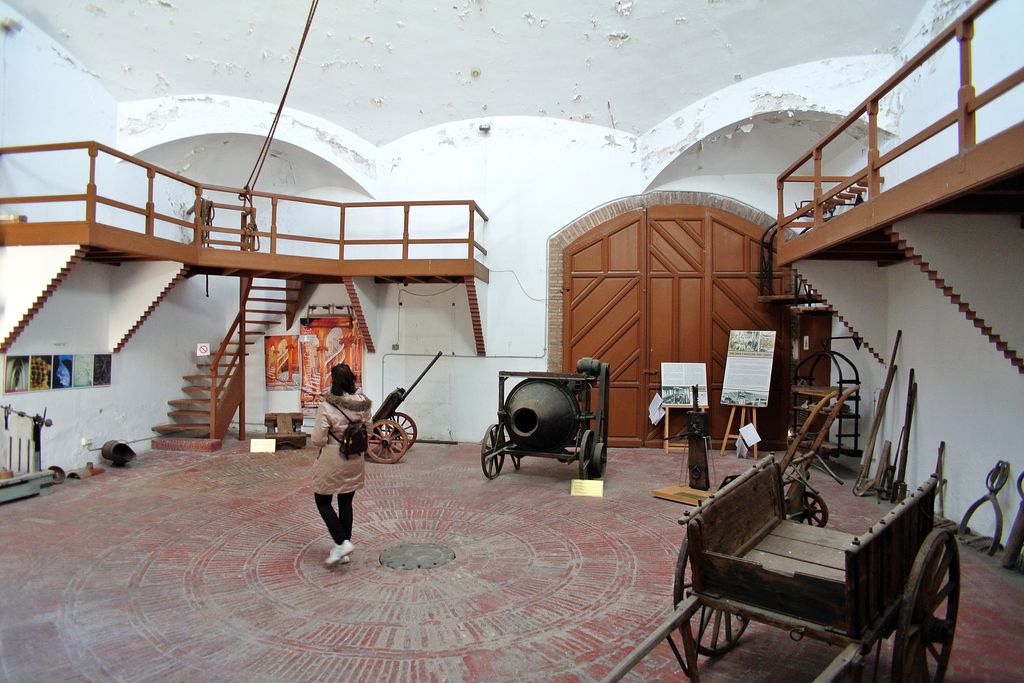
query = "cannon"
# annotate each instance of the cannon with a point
(550, 415)
(393, 433)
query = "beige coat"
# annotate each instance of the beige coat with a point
(333, 472)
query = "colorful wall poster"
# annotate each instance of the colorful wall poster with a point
(101, 370)
(677, 379)
(40, 373)
(324, 343)
(16, 374)
(748, 368)
(62, 369)
(282, 362)
(82, 374)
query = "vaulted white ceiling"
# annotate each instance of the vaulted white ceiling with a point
(385, 68)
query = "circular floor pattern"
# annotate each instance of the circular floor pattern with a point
(243, 583)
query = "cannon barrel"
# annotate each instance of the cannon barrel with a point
(541, 415)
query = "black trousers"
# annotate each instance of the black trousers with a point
(339, 523)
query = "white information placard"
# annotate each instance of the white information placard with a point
(748, 368)
(678, 378)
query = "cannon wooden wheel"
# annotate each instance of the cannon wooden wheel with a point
(815, 510)
(924, 634)
(586, 452)
(491, 464)
(717, 630)
(408, 426)
(387, 442)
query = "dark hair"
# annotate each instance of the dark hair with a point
(343, 380)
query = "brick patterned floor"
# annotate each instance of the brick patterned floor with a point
(195, 567)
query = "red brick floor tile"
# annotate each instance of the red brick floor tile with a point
(194, 566)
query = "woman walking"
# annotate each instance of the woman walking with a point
(333, 471)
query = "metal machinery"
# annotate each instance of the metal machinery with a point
(393, 433)
(550, 415)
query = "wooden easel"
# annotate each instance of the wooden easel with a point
(743, 420)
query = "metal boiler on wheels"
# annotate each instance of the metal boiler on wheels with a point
(551, 415)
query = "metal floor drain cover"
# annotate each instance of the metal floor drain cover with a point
(416, 556)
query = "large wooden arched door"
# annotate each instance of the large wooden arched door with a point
(667, 285)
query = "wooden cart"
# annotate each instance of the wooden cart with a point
(392, 433)
(744, 561)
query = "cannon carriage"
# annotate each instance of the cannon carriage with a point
(392, 432)
(551, 415)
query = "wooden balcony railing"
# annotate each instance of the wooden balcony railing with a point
(829, 191)
(268, 223)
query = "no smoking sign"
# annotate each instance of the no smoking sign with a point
(202, 349)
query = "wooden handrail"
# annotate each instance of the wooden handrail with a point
(276, 234)
(968, 102)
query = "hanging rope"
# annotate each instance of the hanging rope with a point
(250, 229)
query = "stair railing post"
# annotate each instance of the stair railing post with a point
(405, 234)
(150, 206)
(819, 215)
(213, 396)
(874, 181)
(90, 190)
(243, 295)
(341, 235)
(965, 95)
(472, 233)
(273, 225)
(197, 225)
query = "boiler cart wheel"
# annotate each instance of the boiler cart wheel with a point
(491, 456)
(408, 426)
(717, 630)
(586, 452)
(387, 442)
(598, 461)
(924, 633)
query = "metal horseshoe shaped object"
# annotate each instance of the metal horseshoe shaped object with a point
(995, 481)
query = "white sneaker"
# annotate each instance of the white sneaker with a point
(343, 550)
(345, 560)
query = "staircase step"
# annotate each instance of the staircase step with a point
(194, 377)
(286, 300)
(196, 429)
(189, 402)
(188, 413)
(275, 289)
(264, 310)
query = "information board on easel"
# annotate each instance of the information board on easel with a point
(748, 377)
(677, 381)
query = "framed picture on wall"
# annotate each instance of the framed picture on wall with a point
(40, 373)
(63, 367)
(82, 374)
(16, 374)
(101, 370)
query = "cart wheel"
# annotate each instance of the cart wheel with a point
(815, 510)
(407, 425)
(585, 453)
(387, 442)
(717, 630)
(598, 460)
(491, 462)
(924, 634)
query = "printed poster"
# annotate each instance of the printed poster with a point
(62, 369)
(16, 373)
(748, 368)
(678, 378)
(281, 353)
(101, 370)
(324, 343)
(40, 373)
(82, 376)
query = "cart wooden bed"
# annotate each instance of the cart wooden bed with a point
(743, 561)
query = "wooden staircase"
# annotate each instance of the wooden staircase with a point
(216, 390)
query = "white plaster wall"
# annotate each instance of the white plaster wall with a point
(979, 257)
(134, 286)
(144, 376)
(858, 292)
(24, 273)
(968, 395)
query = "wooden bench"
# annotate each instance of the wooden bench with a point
(286, 429)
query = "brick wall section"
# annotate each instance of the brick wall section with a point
(584, 224)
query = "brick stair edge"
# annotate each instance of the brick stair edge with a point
(474, 314)
(877, 356)
(152, 307)
(957, 300)
(357, 309)
(37, 305)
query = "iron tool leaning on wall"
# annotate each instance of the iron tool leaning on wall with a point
(549, 415)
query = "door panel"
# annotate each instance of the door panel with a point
(667, 286)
